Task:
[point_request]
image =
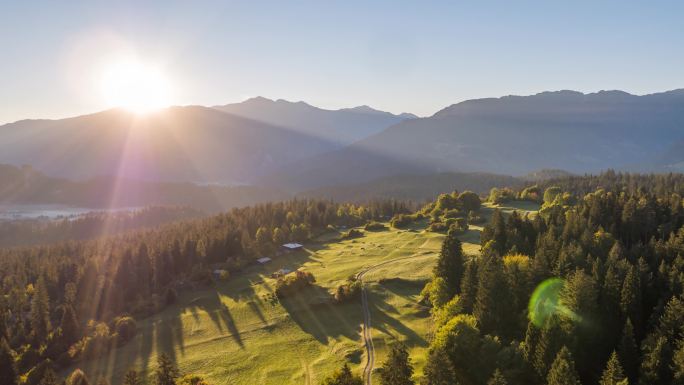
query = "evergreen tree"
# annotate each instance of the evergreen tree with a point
(496, 231)
(40, 312)
(497, 379)
(630, 301)
(612, 374)
(397, 370)
(450, 262)
(343, 376)
(469, 287)
(132, 378)
(628, 352)
(550, 342)
(49, 377)
(69, 325)
(494, 301)
(678, 364)
(438, 369)
(654, 364)
(77, 377)
(166, 372)
(532, 335)
(562, 370)
(8, 373)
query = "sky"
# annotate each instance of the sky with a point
(399, 56)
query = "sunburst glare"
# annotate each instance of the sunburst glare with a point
(135, 86)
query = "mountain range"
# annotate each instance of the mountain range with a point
(296, 147)
(512, 135)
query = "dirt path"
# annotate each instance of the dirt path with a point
(367, 336)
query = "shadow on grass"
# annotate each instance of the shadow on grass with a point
(314, 311)
(381, 320)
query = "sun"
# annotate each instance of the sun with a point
(130, 84)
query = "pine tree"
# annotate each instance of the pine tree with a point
(8, 373)
(450, 262)
(69, 325)
(469, 287)
(628, 352)
(40, 312)
(612, 374)
(562, 370)
(630, 300)
(49, 377)
(397, 370)
(550, 342)
(678, 364)
(496, 231)
(438, 369)
(77, 377)
(497, 379)
(132, 378)
(532, 335)
(654, 364)
(166, 372)
(494, 301)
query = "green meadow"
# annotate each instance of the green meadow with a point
(238, 333)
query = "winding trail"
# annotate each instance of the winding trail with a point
(367, 336)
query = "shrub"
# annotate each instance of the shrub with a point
(469, 201)
(348, 291)
(292, 283)
(475, 219)
(455, 213)
(437, 227)
(353, 233)
(401, 221)
(125, 329)
(192, 379)
(532, 194)
(374, 226)
(459, 225)
(498, 196)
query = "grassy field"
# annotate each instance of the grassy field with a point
(236, 333)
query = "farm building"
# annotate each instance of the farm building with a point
(292, 246)
(264, 260)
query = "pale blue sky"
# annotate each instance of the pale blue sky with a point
(413, 56)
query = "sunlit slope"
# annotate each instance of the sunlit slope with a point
(236, 333)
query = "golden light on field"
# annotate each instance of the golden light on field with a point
(135, 86)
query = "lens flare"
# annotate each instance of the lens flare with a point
(545, 302)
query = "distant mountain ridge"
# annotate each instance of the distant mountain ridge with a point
(193, 143)
(512, 135)
(343, 126)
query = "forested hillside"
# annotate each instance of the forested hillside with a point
(74, 301)
(588, 291)
(88, 226)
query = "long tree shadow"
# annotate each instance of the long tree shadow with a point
(381, 320)
(227, 318)
(313, 310)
